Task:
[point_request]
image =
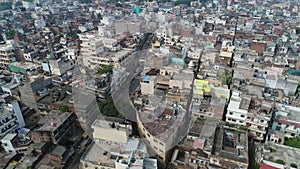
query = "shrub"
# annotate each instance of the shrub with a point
(294, 165)
(279, 161)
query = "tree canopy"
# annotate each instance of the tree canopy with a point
(298, 30)
(63, 108)
(108, 108)
(5, 6)
(11, 34)
(105, 69)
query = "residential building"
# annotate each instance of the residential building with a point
(32, 89)
(133, 27)
(54, 127)
(86, 107)
(254, 114)
(11, 118)
(112, 148)
(60, 66)
(15, 143)
(209, 98)
(163, 132)
(286, 120)
(7, 54)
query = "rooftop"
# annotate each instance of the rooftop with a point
(53, 120)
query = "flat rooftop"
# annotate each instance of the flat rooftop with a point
(53, 120)
(108, 125)
(107, 153)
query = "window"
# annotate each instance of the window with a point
(161, 150)
(248, 117)
(230, 113)
(161, 143)
(144, 129)
(148, 135)
(155, 140)
(262, 121)
(242, 115)
(155, 148)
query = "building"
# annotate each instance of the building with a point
(162, 130)
(110, 131)
(11, 118)
(113, 149)
(32, 89)
(286, 120)
(91, 47)
(54, 127)
(209, 98)
(60, 66)
(14, 143)
(251, 113)
(7, 54)
(128, 26)
(230, 148)
(86, 107)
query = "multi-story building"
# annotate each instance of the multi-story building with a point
(90, 48)
(7, 54)
(14, 143)
(113, 149)
(54, 127)
(128, 26)
(209, 98)
(86, 108)
(11, 118)
(60, 66)
(32, 89)
(286, 120)
(163, 131)
(255, 114)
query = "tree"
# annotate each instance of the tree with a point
(85, 1)
(298, 30)
(105, 69)
(63, 108)
(294, 165)
(108, 108)
(11, 34)
(279, 161)
(5, 6)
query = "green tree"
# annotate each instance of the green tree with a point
(279, 161)
(186, 2)
(298, 30)
(63, 108)
(105, 69)
(108, 108)
(292, 142)
(11, 34)
(85, 1)
(5, 6)
(19, 3)
(294, 165)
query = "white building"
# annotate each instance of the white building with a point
(251, 113)
(113, 149)
(15, 143)
(7, 54)
(11, 118)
